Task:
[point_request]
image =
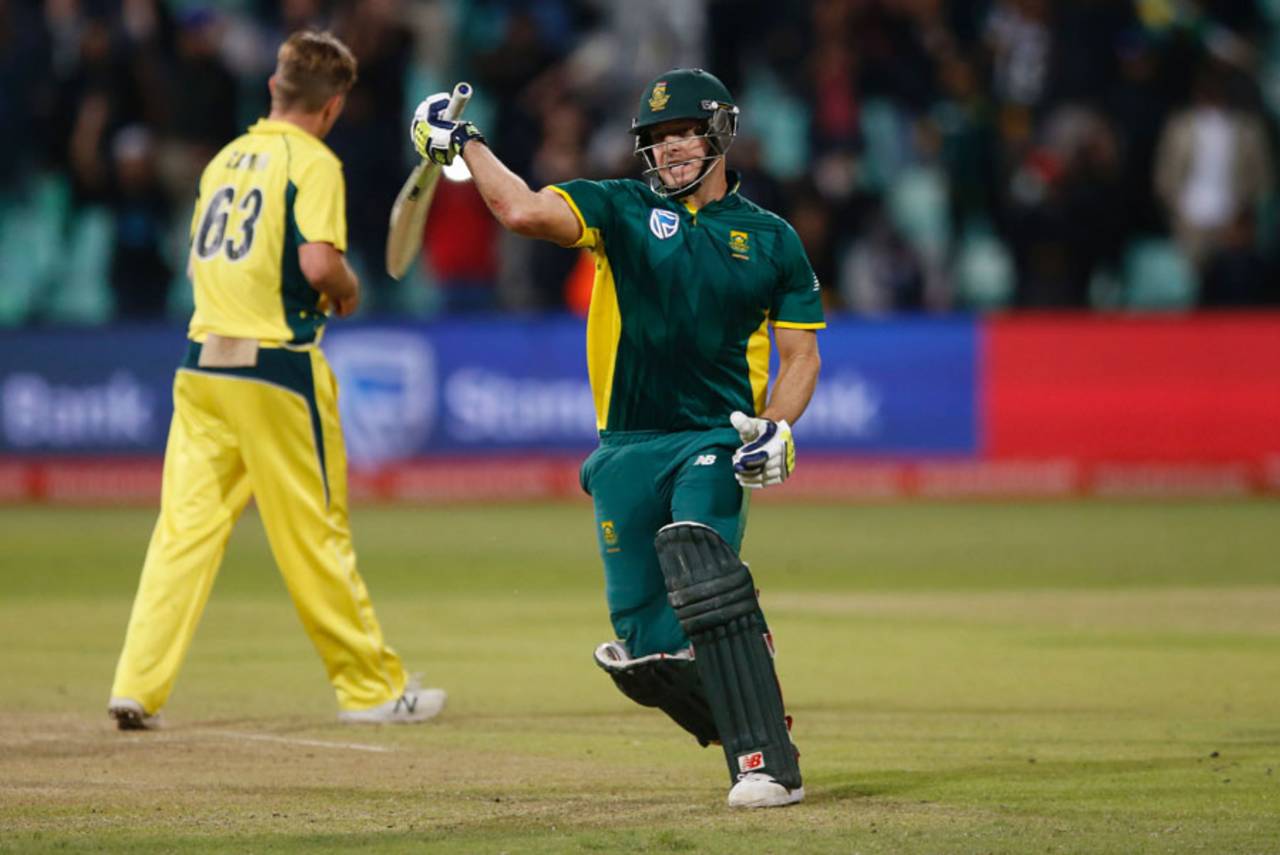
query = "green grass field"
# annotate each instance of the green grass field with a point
(966, 678)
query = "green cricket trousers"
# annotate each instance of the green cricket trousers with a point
(639, 482)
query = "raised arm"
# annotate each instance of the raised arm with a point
(544, 215)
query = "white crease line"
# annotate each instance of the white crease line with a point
(308, 743)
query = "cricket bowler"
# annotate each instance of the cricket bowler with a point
(255, 406)
(690, 279)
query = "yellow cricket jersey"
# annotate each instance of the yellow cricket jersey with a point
(265, 194)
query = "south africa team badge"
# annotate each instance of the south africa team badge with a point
(663, 223)
(658, 98)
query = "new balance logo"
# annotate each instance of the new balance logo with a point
(406, 704)
(751, 762)
(705, 460)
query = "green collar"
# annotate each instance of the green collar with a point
(730, 199)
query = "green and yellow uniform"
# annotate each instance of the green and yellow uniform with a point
(677, 339)
(262, 425)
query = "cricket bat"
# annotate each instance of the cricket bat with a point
(409, 213)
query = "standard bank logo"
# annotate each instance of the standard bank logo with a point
(663, 223)
(38, 411)
(846, 407)
(387, 392)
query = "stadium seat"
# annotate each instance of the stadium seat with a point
(181, 300)
(82, 293)
(1107, 289)
(918, 205)
(886, 143)
(1269, 73)
(31, 226)
(1158, 277)
(771, 113)
(16, 265)
(984, 272)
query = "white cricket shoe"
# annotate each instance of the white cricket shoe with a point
(130, 715)
(414, 705)
(756, 789)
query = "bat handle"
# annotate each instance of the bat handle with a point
(458, 101)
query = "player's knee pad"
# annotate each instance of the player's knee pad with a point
(669, 682)
(714, 598)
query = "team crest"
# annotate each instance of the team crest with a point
(658, 98)
(740, 244)
(663, 223)
(609, 532)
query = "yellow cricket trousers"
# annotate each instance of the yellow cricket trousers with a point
(270, 431)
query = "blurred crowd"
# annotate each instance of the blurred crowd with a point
(933, 156)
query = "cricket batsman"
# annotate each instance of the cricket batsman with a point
(690, 278)
(255, 406)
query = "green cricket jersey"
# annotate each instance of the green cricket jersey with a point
(678, 329)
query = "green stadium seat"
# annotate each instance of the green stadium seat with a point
(919, 208)
(17, 265)
(984, 272)
(885, 143)
(181, 300)
(1158, 277)
(1107, 289)
(82, 292)
(31, 226)
(1269, 73)
(771, 113)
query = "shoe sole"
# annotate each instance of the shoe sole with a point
(396, 720)
(793, 797)
(420, 715)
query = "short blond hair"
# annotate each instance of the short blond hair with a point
(312, 67)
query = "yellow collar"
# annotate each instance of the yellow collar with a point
(276, 126)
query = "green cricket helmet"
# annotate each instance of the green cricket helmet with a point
(685, 93)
